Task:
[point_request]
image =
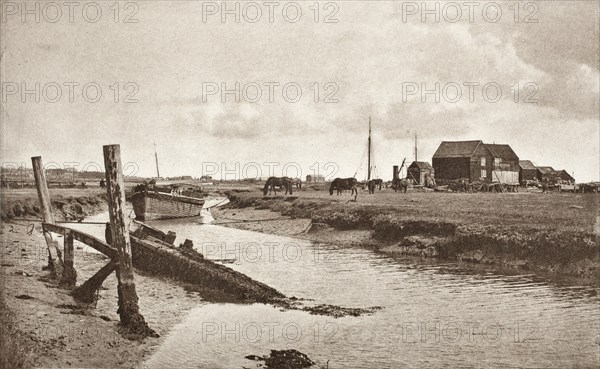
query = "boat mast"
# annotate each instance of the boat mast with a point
(369, 153)
(156, 158)
(416, 152)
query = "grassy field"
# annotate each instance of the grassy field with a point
(554, 211)
(567, 211)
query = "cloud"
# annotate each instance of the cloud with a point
(368, 55)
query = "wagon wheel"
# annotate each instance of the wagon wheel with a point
(477, 186)
(504, 187)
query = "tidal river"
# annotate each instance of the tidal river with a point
(440, 315)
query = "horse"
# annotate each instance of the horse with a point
(297, 182)
(371, 186)
(280, 182)
(378, 183)
(341, 184)
(400, 185)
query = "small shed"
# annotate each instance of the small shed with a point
(315, 179)
(545, 170)
(420, 171)
(554, 176)
(528, 171)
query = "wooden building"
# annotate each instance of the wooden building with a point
(544, 171)
(315, 179)
(565, 176)
(476, 161)
(420, 171)
(549, 174)
(528, 172)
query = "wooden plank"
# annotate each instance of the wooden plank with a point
(87, 291)
(171, 236)
(151, 231)
(85, 238)
(115, 188)
(54, 257)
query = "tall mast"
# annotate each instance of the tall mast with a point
(416, 151)
(156, 158)
(369, 153)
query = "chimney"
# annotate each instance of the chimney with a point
(395, 172)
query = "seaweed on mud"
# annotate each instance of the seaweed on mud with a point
(339, 311)
(284, 359)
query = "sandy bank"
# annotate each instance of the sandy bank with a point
(56, 331)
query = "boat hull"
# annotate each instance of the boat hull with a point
(157, 205)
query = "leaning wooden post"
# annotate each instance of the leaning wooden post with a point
(87, 291)
(54, 255)
(128, 299)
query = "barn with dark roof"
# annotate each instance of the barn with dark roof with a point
(476, 161)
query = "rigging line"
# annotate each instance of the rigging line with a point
(362, 159)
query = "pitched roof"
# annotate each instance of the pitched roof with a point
(527, 165)
(568, 175)
(546, 170)
(558, 173)
(502, 151)
(456, 149)
(421, 165)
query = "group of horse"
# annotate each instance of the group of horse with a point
(338, 185)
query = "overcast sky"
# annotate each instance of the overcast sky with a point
(367, 64)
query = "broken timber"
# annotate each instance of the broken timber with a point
(153, 254)
(152, 251)
(87, 290)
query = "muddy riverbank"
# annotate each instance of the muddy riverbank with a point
(54, 330)
(43, 326)
(547, 234)
(67, 204)
(48, 328)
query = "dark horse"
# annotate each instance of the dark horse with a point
(280, 182)
(378, 183)
(297, 182)
(371, 186)
(400, 185)
(341, 184)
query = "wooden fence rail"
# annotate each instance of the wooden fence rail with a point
(85, 238)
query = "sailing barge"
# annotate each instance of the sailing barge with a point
(153, 204)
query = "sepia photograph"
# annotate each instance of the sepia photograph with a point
(323, 184)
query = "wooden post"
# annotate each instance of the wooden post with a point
(170, 238)
(115, 188)
(54, 257)
(69, 276)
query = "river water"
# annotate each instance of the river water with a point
(438, 315)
